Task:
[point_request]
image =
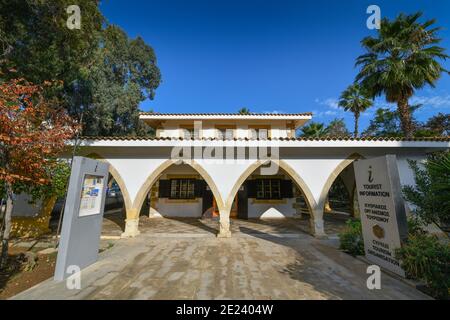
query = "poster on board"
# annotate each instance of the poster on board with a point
(91, 195)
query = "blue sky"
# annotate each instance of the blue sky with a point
(267, 55)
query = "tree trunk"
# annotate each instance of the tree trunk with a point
(356, 125)
(405, 117)
(7, 226)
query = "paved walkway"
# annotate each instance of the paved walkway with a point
(251, 265)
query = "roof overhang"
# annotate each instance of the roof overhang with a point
(155, 119)
(124, 142)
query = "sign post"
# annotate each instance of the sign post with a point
(83, 216)
(382, 210)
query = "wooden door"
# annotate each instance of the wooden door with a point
(233, 212)
(243, 203)
(234, 208)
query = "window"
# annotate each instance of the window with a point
(268, 189)
(225, 133)
(259, 133)
(189, 133)
(182, 189)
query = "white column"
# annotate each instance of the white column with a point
(224, 224)
(317, 224)
(131, 224)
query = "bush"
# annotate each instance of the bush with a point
(430, 195)
(424, 258)
(415, 226)
(351, 240)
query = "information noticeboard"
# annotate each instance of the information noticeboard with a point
(382, 210)
(83, 216)
(91, 195)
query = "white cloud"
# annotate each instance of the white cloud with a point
(436, 101)
(367, 113)
(433, 101)
(274, 111)
(327, 113)
(331, 103)
(331, 109)
(317, 113)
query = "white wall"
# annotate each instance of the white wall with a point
(314, 165)
(208, 132)
(169, 208)
(135, 171)
(315, 171)
(404, 170)
(271, 210)
(169, 132)
(279, 131)
(242, 131)
(225, 174)
(172, 128)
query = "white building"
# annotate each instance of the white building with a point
(239, 166)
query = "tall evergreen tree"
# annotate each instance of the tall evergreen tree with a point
(439, 124)
(386, 123)
(38, 46)
(103, 74)
(337, 128)
(124, 75)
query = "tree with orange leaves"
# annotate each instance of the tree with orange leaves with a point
(33, 131)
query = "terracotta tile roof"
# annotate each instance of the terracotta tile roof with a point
(144, 138)
(224, 114)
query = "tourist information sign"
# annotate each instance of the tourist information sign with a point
(83, 215)
(382, 210)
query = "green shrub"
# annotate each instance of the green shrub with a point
(424, 258)
(351, 240)
(415, 226)
(431, 193)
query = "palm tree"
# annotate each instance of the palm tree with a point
(356, 100)
(313, 130)
(401, 59)
(244, 111)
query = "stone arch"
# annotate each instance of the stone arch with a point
(153, 177)
(304, 189)
(116, 175)
(332, 177)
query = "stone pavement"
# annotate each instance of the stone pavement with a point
(251, 265)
